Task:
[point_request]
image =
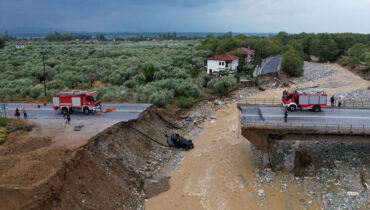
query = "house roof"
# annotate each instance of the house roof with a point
(23, 42)
(223, 57)
(243, 51)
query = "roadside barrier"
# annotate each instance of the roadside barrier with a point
(364, 104)
(319, 128)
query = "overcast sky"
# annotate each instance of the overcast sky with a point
(292, 16)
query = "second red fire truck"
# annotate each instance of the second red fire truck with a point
(78, 100)
(304, 99)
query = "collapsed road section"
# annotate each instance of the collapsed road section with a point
(116, 169)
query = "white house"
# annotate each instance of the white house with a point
(217, 63)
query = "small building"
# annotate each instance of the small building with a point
(247, 53)
(217, 63)
(22, 44)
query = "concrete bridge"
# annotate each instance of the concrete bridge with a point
(262, 124)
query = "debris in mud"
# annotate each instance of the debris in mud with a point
(244, 183)
(261, 193)
(302, 160)
(158, 184)
(333, 177)
(78, 127)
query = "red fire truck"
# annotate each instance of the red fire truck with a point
(78, 100)
(304, 99)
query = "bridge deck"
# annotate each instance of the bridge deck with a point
(335, 119)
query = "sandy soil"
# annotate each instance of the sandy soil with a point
(208, 177)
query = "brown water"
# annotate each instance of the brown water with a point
(208, 176)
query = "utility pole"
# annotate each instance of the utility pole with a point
(43, 62)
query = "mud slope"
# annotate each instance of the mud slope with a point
(109, 172)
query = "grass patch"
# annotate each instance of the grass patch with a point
(185, 102)
(3, 129)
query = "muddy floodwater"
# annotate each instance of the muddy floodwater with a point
(224, 171)
(220, 174)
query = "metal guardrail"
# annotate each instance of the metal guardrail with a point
(318, 128)
(365, 104)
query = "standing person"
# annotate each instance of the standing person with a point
(65, 120)
(286, 115)
(24, 113)
(17, 114)
(332, 100)
(68, 118)
(339, 102)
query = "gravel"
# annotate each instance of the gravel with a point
(356, 95)
(313, 71)
(333, 178)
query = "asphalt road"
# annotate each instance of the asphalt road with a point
(333, 116)
(124, 112)
(272, 65)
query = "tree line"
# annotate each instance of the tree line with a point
(295, 47)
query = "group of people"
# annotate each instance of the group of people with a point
(332, 101)
(17, 114)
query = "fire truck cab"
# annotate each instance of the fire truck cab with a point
(304, 99)
(85, 101)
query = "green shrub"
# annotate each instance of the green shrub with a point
(352, 62)
(145, 92)
(364, 55)
(185, 102)
(292, 63)
(357, 49)
(149, 72)
(222, 85)
(161, 74)
(3, 121)
(113, 93)
(367, 60)
(161, 98)
(140, 78)
(131, 83)
(207, 78)
(187, 88)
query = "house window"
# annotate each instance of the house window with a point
(223, 63)
(219, 63)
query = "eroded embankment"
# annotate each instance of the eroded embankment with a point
(107, 173)
(110, 171)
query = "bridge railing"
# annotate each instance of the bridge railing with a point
(318, 128)
(362, 104)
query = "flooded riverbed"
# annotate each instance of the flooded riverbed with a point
(224, 171)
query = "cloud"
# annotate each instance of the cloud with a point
(189, 15)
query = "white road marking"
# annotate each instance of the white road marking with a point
(289, 116)
(42, 109)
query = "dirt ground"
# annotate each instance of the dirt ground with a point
(95, 168)
(210, 175)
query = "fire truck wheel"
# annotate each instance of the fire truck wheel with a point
(64, 110)
(316, 108)
(86, 111)
(292, 108)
